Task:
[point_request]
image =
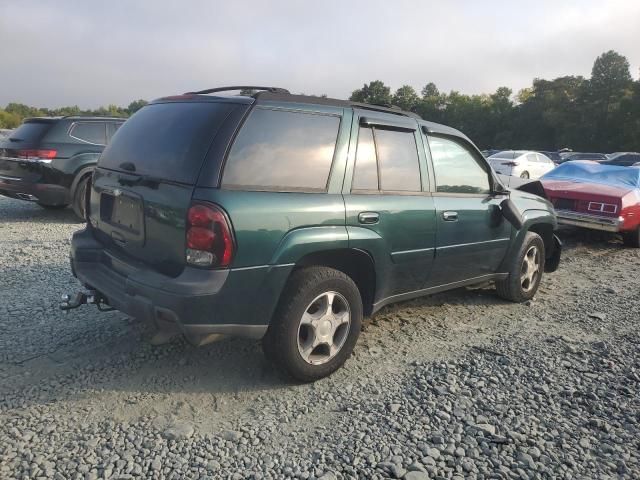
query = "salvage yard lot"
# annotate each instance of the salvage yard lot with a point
(458, 384)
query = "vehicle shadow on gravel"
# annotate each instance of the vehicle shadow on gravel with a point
(593, 239)
(31, 212)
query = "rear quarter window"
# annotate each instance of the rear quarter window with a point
(166, 140)
(282, 150)
(89, 132)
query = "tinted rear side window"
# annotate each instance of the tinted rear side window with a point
(282, 150)
(166, 140)
(398, 160)
(365, 176)
(90, 132)
(31, 131)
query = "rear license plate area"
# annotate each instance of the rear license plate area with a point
(122, 211)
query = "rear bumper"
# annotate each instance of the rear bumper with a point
(197, 302)
(594, 222)
(49, 194)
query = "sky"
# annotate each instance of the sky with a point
(91, 53)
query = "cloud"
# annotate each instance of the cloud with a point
(90, 53)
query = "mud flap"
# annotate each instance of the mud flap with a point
(553, 260)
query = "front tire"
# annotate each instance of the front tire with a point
(524, 175)
(525, 271)
(632, 239)
(316, 324)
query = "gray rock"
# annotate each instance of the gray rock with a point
(179, 431)
(415, 475)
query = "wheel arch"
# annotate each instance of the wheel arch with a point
(355, 263)
(79, 175)
(540, 222)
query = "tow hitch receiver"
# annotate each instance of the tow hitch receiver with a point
(85, 298)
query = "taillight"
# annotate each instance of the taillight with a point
(37, 155)
(209, 237)
(510, 164)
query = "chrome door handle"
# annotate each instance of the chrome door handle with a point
(450, 216)
(368, 218)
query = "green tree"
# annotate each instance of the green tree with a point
(375, 92)
(406, 97)
(609, 86)
(135, 106)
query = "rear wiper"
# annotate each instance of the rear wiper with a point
(144, 180)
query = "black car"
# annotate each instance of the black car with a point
(570, 156)
(622, 159)
(49, 160)
(554, 156)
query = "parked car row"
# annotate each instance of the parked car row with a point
(625, 159)
(521, 163)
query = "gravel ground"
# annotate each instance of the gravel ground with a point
(465, 385)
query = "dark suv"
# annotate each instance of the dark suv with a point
(289, 218)
(49, 160)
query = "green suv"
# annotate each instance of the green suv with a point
(289, 218)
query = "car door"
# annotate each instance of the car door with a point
(389, 211)
(472, 236)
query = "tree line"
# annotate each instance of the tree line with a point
(598, 114)
(14, 113)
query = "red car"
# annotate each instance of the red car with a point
(592, 195)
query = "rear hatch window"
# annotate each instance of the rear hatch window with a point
(166, 140)
(29, 133)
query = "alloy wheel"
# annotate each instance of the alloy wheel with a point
(530, 268)
(324, 328)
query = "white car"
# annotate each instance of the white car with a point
(521, 163)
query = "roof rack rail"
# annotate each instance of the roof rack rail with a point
(239, 87)
(394, 109)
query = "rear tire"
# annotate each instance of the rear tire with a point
(53, 207)
(524, 175)
(525, 271)
(316, 324)
(632, 239)
(78, 198)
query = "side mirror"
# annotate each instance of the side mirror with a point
(511, 213)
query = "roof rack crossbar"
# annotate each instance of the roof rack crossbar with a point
(239, 87)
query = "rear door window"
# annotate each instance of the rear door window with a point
(166, 140)
(398, 161)
(386, 160)
(365, 176)
(282, 150)
(89, 132)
